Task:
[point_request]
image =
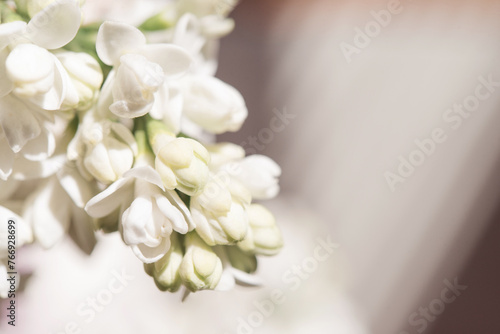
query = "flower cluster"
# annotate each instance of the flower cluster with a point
(110, 127)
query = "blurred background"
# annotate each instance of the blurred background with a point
(384, 116)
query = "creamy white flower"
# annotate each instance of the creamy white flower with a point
(219, 212)
(32, 80)
(258, 173)
(85, 74)
(102, 149)
(212, 104)
(201, 268)
(264, 236)
(148, 212)
(202, 8)
(141, 69)
(183, 164)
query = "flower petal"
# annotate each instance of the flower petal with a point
(56, 25)
(18, 122)
(146, 173)
(6, 85)
(151, 254)
(115, 39)
(173, 214)
(107, 201)
(41, 148)
(82, 231)
(173, 59)
(11, 31)
(29, 170)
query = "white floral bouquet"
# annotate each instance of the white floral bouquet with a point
(110, 127)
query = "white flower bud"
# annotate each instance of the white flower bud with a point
(85, 74)
(201, 268)
(110, 150)
(213, 104)
(219, 212)
(264, 237)
(183, 164)
(166, 271)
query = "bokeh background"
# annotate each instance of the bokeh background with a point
(352, 120)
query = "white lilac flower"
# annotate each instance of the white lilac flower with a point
(258, 173)
(33, 7)
(85, 74)
(201, 268)
(33, 83)
(212, 104)
(140, 70)
(183, 164)
(102, 149)
(219, 212)
(264, 236)
(60, 200)
(148, 213)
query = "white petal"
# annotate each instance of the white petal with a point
(137, 219)
(18, 122)
(125, 135)
(56, 25)
(173, 214)
(41, 148)
(146, 173)
(151, 254)
(172, 58)
(8, 188)
(29, 170)
(58, 92)
(174, 198)
(29, 63)
(115, 39)
(107, 201)
(11, 31)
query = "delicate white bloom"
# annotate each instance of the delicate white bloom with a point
(148, 212)
(219, 212)
(32, 80)
(183, 164)
(85, 74)
(166, 270)
(258, 173)
(212, 104)
(140, 69)
(203, 8)
(201, 268)
(102, 149)
(264, 236)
